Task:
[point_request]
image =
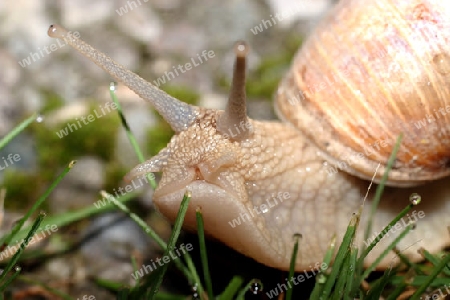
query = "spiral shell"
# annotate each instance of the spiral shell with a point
(368, 74)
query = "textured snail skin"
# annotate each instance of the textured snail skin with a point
(276, 159)
(234, 168)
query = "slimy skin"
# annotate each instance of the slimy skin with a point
(276, 159)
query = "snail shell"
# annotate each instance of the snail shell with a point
(368, 74)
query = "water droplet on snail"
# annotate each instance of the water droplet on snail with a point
(441, 63)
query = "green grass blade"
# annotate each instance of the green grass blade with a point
(433, 260)
(377, 289)
(123, 294)
(135, 218)
(165, 296)
(438, 269)
(374, 207)
(203, 254)
(322, 277)
(135, 268)
(10, 279)
(407, 262)
(73, 216)
(419, 280)
(172, 242)
(340, 257)
(18, 129)
(6, 240)
(108, 284)
(397, 292)
(19, 252)
(292, 266)
(351, 272)
(386, 251)
(232, 288)
(380, 188)
(196, 279)
(386, 230)
(241, 294)
(131, 138)
(341, 280)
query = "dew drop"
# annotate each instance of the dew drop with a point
(195, 294)
(241, 49)
(17, 268)
(113, 86)
(321, 278)
(56, 31)
(40, 118)
(256, 287)
(441, 63)
(415, 198)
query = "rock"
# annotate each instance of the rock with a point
(290, 11)
(88, 173)
(111, 240)
(74, 13)
(137, 19)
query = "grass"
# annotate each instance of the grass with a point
(345, 278)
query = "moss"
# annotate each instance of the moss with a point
(114, 175)
(22, 189)
(182, 93)
(157, 137)
(52, 101)
(97, 138)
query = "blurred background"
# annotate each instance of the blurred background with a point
(42, 75)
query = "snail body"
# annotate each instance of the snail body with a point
(260, 184)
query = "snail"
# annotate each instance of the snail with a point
(369, 72)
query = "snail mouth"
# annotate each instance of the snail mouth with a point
(209, 197)
(201, 189)
(197, 188)
(205, 180)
